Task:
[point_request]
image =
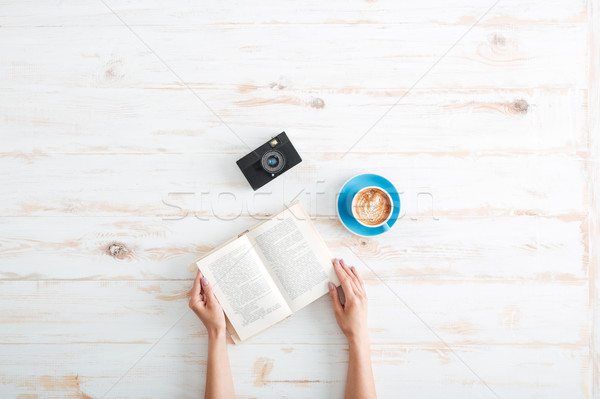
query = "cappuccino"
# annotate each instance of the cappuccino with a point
(372, 206)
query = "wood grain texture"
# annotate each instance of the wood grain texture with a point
(140, 311)
(211, 185)
(86, 120)
(518, 247)
(115, 177)
(593, 170)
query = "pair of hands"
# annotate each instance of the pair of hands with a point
(351, 316)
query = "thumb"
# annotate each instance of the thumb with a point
(335, 298)
(208, 292)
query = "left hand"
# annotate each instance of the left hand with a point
(204, 303)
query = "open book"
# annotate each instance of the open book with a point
(269, 272)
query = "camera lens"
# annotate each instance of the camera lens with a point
(273, 161)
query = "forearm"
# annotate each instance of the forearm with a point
(219, 383)
(360, 383)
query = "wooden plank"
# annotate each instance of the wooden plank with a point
(492, 313)
(238, 56)
(86, 120)
(160, 184)
(68, 13)
(131, 248)
(104, 327)
(593, 188)
(523, 339)
(173, 369)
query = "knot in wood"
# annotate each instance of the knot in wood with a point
(365, 245)
(317, 103)
(277, 86)
(498, 40)
(117, 250)
(520, 106)
(112, 71)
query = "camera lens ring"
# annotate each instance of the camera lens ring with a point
(273, 161)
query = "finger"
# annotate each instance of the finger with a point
(201, 287)
(335, 298)
(353, 279)
(344, 278)
(208, 292)
(196, 287)
(358, 277)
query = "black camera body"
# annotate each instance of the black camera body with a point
(268, 161)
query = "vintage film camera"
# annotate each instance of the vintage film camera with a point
(268, 161)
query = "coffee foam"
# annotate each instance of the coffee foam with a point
(372, 206)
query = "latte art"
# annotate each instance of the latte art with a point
(371, 206)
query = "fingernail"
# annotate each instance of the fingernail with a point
(352, 268)
(204, 281)
(331, 286)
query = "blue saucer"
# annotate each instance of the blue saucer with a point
(344, 204)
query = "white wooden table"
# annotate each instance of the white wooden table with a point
(118, 125)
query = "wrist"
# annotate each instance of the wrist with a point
(216, 333)
(359, 341)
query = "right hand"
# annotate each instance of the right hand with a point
(352, 316)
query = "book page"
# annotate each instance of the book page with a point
(249, 296)
(295, 255)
